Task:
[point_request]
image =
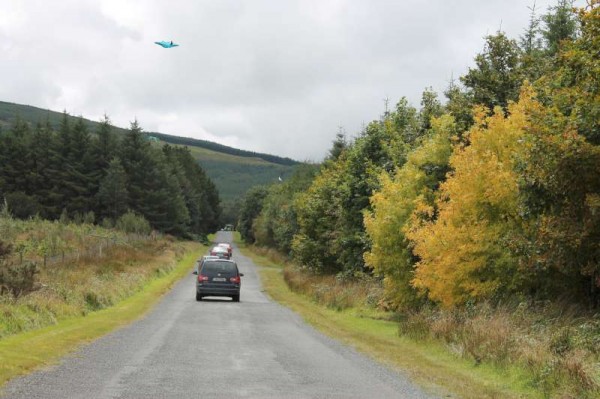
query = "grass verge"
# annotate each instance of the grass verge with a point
(429, 364)
(22, 353)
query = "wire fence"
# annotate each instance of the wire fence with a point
(94, 246)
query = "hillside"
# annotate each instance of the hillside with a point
(233, 170)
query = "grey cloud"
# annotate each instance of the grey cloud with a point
(272, 76)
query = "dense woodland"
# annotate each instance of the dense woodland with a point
(72, 173)
(492, 195)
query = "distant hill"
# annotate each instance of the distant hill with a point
(33, 115)
(190, 142)
(233, 171)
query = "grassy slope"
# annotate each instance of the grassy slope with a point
(25, 352)
(234, 175)
(430, 365)
(9, 111)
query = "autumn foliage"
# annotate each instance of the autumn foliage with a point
(519, 211)
(461, 203)
(465, 253)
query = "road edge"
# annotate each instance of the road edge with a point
(428, 365)
(23, 353)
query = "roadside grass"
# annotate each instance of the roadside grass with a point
(54, 270)
(78, 287)
(428, 363)
(263, 257)
(21, 353)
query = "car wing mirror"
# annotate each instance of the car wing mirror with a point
(195, 272)
(241, 274)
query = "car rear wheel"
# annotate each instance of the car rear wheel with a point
(236, 298)
(198, 297)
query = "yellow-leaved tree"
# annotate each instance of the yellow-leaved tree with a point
(465, 253)
(393, 204)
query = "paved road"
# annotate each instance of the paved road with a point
(215, 349)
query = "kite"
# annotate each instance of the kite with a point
(167, 44)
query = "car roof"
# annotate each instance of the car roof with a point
(220, 260)
(219, 248)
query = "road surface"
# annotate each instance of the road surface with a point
(215, 349)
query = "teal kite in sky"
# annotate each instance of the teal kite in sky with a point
(167, 44)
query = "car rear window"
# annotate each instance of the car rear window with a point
(212, 268)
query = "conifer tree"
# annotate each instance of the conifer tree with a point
(151, 192)
(16, 164)
(112, 194)
(560, 24)
(79, 170)
(42, 176)
(430, 108)
(339, 145)
(17, 169)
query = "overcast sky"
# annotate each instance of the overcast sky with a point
(273, 76)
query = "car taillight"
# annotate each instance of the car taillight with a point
(202, 278)
(235, 280)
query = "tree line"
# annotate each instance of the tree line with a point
(494, 194)
(75, 174)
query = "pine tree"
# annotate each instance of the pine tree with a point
(530, 41)
(339, 144)
(16, 163)
(148, 186)
(112, 194)
(59, 194)
(430, 108)
(79, 170)
(560, 24)
(104, 147)
(42, 148)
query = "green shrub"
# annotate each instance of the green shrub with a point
(22, 205)
(89, 217)
(5, 249)
(17, 279)
(132, 223)
(107, 223)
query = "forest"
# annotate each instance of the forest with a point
(73, 174)
(474, 222)
(492, 194)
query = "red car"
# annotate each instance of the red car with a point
(221, 252)
(226, 245)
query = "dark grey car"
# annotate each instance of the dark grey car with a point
(218, 278)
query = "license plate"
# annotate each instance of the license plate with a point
(219, 279)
